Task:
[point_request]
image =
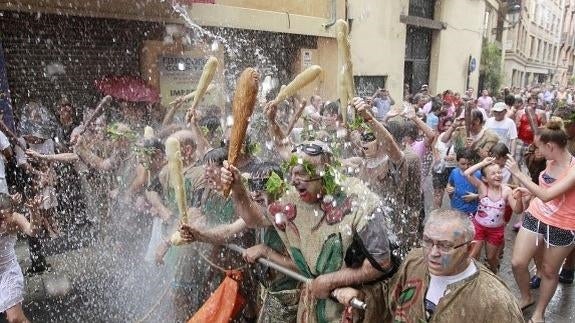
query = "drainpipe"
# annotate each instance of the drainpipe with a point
(333, 15)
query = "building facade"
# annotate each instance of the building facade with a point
(534, 44)
(566, 58)
(394, 42)
(86, 40)
(416, 42)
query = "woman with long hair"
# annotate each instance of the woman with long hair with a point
(548, 225)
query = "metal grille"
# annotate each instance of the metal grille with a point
(422, 8)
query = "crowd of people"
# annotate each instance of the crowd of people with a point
(340, 203)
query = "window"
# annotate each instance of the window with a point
(367, 85)
(422, 8)
(554, 53)
(486, 26)
(538, 49)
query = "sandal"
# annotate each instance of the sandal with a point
(527, 306)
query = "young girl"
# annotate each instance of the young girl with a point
(489, 220)
(11, 278)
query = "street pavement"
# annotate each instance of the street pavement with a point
(561, 309)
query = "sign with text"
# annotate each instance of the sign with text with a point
(307, 58)
(179, 75)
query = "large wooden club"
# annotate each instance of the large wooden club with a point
(243, 106)
(345, 84)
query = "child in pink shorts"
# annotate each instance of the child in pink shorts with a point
(490, 220)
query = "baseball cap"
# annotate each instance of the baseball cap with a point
(499, 106)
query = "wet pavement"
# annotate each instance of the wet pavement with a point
(91, 283)
(561, 309)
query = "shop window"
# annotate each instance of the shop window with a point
(367, 85)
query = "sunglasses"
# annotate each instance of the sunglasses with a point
(309, 149)
(368, 137)
(257, 184)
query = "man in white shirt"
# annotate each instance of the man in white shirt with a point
(382, 103)
(503, 126)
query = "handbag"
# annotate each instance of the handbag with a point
(439, 165)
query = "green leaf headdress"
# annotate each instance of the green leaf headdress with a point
(330, 176)
(120, 131)
(275, 186)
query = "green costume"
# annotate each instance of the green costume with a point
(193, 275)
(279, 293)
(318, 236)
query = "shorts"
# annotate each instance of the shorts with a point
(440, 179)
(553, 236)
(520, 149)
(11, 285)
(494, 236)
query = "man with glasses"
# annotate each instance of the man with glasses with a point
(441, 282)
(333, 227)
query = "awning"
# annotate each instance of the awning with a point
(263, 16)
(144, 10)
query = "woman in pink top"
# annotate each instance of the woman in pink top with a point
(549, 224)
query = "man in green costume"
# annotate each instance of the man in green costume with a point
(332, 227)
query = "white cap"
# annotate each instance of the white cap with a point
(499, 106)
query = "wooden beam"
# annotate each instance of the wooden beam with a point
(254, 19)
(202, 14)
(422, 22)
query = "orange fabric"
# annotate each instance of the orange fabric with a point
(559, 211)
(225, 303)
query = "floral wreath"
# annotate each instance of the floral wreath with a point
(114, 133)
(275, 186)
(330, 177)
(359, 124)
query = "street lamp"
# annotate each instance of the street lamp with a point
(513, 13)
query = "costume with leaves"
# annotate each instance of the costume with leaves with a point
(320, 237)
